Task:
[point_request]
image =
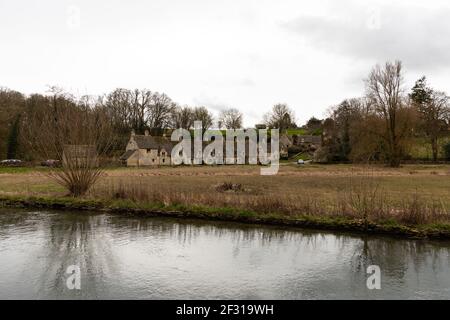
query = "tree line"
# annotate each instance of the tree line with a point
(123, 110)
(379, 126)
(387, 121)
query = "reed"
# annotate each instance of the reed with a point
(362, 199)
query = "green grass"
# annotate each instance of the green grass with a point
(299, 132)
(18, 170)
(421, 148)
(304, 156)
(14, 170)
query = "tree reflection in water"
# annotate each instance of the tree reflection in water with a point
(130, 257)
(76, 239)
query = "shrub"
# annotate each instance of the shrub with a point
(229, 186)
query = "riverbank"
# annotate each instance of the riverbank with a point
(389, 227)
(411, 201)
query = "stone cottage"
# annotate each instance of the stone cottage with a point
(147, 150)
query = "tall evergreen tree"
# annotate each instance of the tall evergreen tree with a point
(420, 93)
(12, 143)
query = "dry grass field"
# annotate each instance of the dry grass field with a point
(414, 193)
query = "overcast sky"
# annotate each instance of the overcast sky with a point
(248, 54)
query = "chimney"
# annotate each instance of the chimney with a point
(147, 133)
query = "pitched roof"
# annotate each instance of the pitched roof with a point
(151, 142)
(127, 154)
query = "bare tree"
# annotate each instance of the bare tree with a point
(182, 117)
(137, 110)
(159, 111)
(12, 104)
(141, 104)
(202, 114)
(384, 90)
(118, 105)
(132, 109)
(75, 134)
(230, 119)
(435, 115)
(281, 117)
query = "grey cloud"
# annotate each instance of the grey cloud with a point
(419, 37)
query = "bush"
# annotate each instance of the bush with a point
(446, 148)
(229, 186)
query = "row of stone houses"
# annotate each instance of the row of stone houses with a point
(148, 150)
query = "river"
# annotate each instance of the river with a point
(122, 257)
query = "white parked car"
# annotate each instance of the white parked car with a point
(300, 161)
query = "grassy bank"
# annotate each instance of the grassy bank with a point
(413, 200)
(335, 223)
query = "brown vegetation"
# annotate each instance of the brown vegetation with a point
(411, 195)
(361, 201)
(74, 136)
(379, 194)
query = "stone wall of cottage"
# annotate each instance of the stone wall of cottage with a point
(144, 157)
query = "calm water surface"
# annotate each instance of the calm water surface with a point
(159, 258)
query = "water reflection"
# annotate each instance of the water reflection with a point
(126, 257)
